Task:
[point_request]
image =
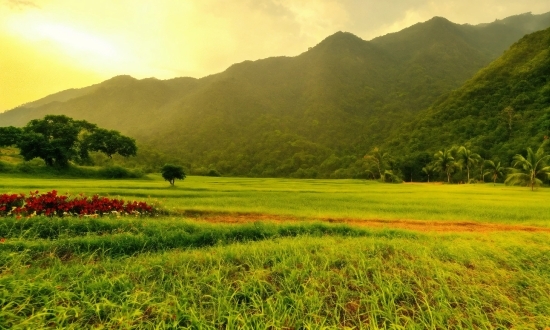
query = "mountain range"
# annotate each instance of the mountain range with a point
(317, 114)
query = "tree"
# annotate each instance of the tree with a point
(55, 139)
(481, 164)
(9, 136)
(528, 170)
(58, 139)
(429, 170)
(378, 158)
(496, 171)
(172, 172)
(110, 143)
(468, 159)
(445, 162)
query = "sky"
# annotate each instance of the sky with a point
(51, 45)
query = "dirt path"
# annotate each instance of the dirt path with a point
(416, 225)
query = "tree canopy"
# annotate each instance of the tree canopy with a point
(58, 139)
(172, 172)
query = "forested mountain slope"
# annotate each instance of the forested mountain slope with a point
(315, 114)
(502, 110)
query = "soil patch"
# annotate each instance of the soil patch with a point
(416, 225)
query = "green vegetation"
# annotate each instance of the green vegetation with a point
(36, 168)
(531, 169)
(314, 115)
(173, 273)
(498, 113)
(58, 140)
(170, 272)
(172, 172)
(355, 199)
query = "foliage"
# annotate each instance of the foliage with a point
(110, 143)
(468, 159)
(256, 198)
(118, 172)
(172, 172)
(57, 139)
(176, 273)
(445, 162)
(8, 202)
(51, 204)
(9, 136)
(429, 170)
(531, 169)
(313, 115)
(502, 110)
(379, 159)
(495, 171)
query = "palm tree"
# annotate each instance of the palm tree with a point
(495, 171)
(445, 162)
(429, 170)
(468, 158)
(378, 158)
(528, 170)
(481, 164)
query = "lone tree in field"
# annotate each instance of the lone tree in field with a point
(172, 172)
(468, 159)
(57, 140)
(496, 171)
(529, 170)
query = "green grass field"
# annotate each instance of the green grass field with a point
(172, 272)
(357, 199)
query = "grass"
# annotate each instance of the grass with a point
(279, 276)
(355, 199)
(173, 272)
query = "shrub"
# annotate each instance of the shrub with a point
(51, 204)
(118, 172)
(213, 172)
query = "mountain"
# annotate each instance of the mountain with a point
(311, 115)
(502, 110)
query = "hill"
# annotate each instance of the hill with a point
(502, 110)
(312, 115)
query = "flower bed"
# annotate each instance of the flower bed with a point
(52, 204)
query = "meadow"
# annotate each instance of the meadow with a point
(182, 271)
(317, 199)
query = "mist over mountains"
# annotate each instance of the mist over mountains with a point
(317, 114)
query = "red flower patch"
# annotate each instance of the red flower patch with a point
(51, 204)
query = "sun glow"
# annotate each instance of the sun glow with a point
(72, 41)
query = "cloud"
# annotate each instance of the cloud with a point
(20, 4)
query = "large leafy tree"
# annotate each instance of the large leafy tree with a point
(9, 136)
(531, 169)
(58, 139)
(445, 162)
(110, 143)
(495, 170)
(468, 159)
(55, 139)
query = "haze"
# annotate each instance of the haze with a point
(52, 45)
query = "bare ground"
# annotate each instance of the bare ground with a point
(416, 225)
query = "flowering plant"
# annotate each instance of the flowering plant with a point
(52, 204)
